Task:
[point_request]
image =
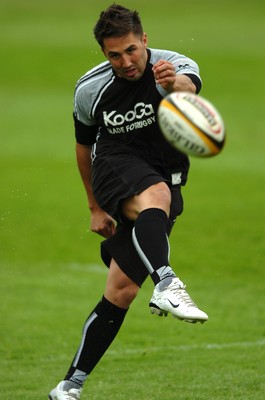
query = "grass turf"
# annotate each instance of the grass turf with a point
(51, 273)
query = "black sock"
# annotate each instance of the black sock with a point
(151, 242)
(99, 331)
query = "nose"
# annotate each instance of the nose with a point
(126, 61)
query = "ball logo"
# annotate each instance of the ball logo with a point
(176, 135)
(210, 117)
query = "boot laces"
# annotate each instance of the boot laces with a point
(180, 293)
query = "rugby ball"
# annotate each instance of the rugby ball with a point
(191, 124)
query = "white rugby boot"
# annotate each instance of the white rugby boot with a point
(170, 296)
(61, 392)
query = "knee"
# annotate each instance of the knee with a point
(120, 289)
(159, 196)
(161, 192)
(122, 296)
(156, 196)
(128, 294)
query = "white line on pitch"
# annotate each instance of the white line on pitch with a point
(209, 346)
(98, 268)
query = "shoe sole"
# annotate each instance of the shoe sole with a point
(160, 313)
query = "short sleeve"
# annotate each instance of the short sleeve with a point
(85, 134)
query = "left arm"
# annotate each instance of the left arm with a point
(165, 75)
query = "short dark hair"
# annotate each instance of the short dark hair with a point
(117, 21)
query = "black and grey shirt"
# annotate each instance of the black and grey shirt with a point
(120, 116)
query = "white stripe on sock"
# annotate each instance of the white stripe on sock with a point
(141, 253)
(92, 317)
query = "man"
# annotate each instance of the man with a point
(135, 194)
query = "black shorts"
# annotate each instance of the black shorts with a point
(120, 247)
(118, 177)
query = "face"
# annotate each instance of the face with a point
(127, 55)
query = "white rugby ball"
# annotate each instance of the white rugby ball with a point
(191, 124)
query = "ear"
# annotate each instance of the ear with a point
(145, 40)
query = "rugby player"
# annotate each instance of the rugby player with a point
(133, 180)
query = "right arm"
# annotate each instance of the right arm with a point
(101, 222)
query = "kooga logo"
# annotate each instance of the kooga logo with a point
(140, 110)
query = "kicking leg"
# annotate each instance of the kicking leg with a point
(151, 210)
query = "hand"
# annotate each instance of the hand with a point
(165, 75)
(102, 223)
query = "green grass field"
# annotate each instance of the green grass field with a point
(51, 274)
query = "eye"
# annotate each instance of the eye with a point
(115, 56)
(131, 50)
